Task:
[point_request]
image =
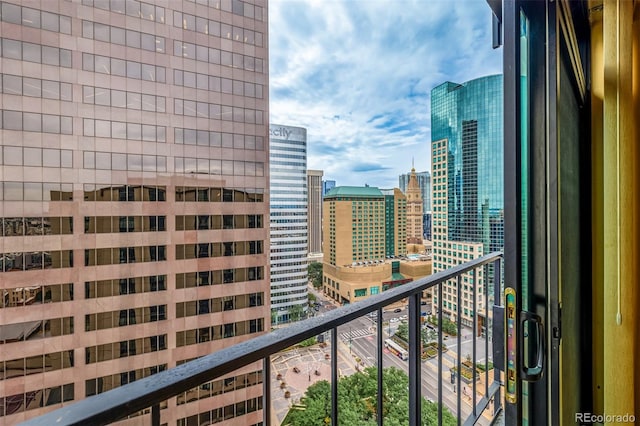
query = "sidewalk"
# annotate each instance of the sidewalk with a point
(308, 361)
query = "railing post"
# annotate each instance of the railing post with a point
(334, 376)
(488, 305)
(155, 415)
(474, 277)
(266, 391)
(497, 278)
(459, 370)
(380, 367)
(440, 384)
(415, 344)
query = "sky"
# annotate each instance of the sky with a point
(357, 75)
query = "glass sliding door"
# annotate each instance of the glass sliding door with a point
(546, 210)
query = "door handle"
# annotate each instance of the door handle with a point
(531, 374)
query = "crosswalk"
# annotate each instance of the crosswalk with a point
(355, 334)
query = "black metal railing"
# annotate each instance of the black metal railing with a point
(127, 400)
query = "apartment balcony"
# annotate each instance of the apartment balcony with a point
(432, 378)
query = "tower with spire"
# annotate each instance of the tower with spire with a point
(414, 210)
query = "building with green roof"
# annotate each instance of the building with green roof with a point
(363, 229)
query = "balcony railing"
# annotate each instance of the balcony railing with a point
(119, 403)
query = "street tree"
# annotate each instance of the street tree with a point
(357, 402)
(431, 335)
(403, 333)
(315, 274)
(311, 298)
(295, 312)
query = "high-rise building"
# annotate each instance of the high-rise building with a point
(289, 222)
(314, 210)
(415, 233)
(327, 185)
(467, 156)
(424, 182)
(134, 166)
(354, 223)
(364, 231)
(395, 222)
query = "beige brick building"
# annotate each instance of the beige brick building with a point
(365, 243)
(414, 210)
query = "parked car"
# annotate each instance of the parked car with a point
(396, 310)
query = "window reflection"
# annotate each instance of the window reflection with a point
(30, 52)
(125, 348)
(38, 329)
(24, 261)
(37, 294)
(105, 383)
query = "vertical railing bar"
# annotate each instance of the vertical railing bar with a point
(473, 342)
(459, 371)
(415, 343)
(487, 305)
(497, 278)
(380, 367)
(440, 384)
(266, 390)
(334, 376)
(155, 415)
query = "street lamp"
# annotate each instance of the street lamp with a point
(350, 339)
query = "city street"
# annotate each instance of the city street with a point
(357, 339)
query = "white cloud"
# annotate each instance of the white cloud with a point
(357, 74)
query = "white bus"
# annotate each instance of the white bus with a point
(396, 349)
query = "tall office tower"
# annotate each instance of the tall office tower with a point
(289, 222)
(414, 210)
(467, 157)
(395, 222)
(327, 185)
(134, 168)
(314, 208)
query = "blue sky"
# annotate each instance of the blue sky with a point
(357, 74)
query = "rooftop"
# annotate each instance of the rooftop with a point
(354, 191)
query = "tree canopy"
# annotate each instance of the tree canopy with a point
(448, 326)
(295, 312)
(427, 335)
(315, 274)
(357, 402)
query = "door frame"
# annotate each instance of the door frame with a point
(557, 31)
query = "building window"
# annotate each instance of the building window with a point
(360, 292)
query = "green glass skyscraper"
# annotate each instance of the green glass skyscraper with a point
(467, 182)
